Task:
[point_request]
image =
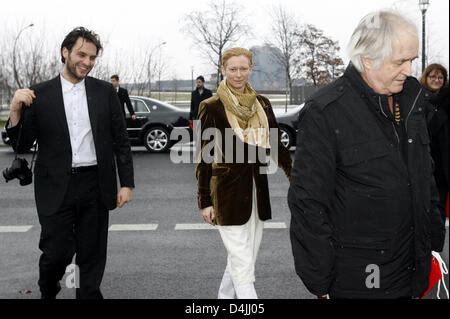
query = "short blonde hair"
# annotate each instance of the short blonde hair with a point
(236, 52)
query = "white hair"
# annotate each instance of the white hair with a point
(374, 36)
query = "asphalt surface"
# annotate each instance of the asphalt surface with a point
(161, 263)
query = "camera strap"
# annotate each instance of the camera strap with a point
(18, 143)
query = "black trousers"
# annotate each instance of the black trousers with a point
(79, 227)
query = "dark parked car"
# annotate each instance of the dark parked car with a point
(154, 122)
(288, 123)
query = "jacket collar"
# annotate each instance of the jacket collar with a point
(411, 86)
(412, 91)
(361, 86)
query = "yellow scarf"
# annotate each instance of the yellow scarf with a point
(245, 115)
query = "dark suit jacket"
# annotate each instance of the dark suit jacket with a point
(45, 121)
(196, 99)
(228, 187)
(125, 99)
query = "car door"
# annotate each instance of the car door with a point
(142, 116)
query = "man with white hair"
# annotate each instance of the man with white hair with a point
(363, 197)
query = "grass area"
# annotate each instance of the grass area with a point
(182, 99)
(164, 96)
(2, 124)
(168, 96)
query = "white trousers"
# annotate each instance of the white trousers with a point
(242, 244)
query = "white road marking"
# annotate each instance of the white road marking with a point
(131, 227)
(194, 227)
(205, 226)
(275, 225)
(151, 227)
(446, 223)
(15, 229)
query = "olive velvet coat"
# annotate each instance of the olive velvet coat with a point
(228, 185)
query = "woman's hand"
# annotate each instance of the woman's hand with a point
(208, 215)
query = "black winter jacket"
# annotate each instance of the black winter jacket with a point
(196, 99)
(439, 133)
(362, 196)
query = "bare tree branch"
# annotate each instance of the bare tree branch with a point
(284, 29)
(214, 29)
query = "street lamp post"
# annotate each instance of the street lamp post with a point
(423, 4)
(16, 75)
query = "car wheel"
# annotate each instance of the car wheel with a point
(156, 140)
(286, 137)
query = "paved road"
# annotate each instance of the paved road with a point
(161, 261)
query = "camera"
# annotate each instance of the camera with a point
(19, 169)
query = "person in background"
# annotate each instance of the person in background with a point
(197, 96)
(124, 98)
(435, 79)
(364, 203)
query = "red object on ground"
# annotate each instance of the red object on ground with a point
(435, 275)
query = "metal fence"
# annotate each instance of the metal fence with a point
(300, 94)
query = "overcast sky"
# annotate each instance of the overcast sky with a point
(131, 25)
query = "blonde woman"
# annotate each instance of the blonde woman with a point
(234, 195)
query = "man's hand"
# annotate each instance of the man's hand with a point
(133, 117)
(125, 196)
(21, 96)
(208, 215)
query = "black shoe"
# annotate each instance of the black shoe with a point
(53, 294)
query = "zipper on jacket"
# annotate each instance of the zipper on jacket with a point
(396, 134)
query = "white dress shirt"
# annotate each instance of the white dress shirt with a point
(77, 114)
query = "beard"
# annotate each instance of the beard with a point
(72, 70)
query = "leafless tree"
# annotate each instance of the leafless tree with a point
(161, 68)
(284, 30)
(38, 59)
(175, 86)
(30, 60)
(214, 29)
(153, 65)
